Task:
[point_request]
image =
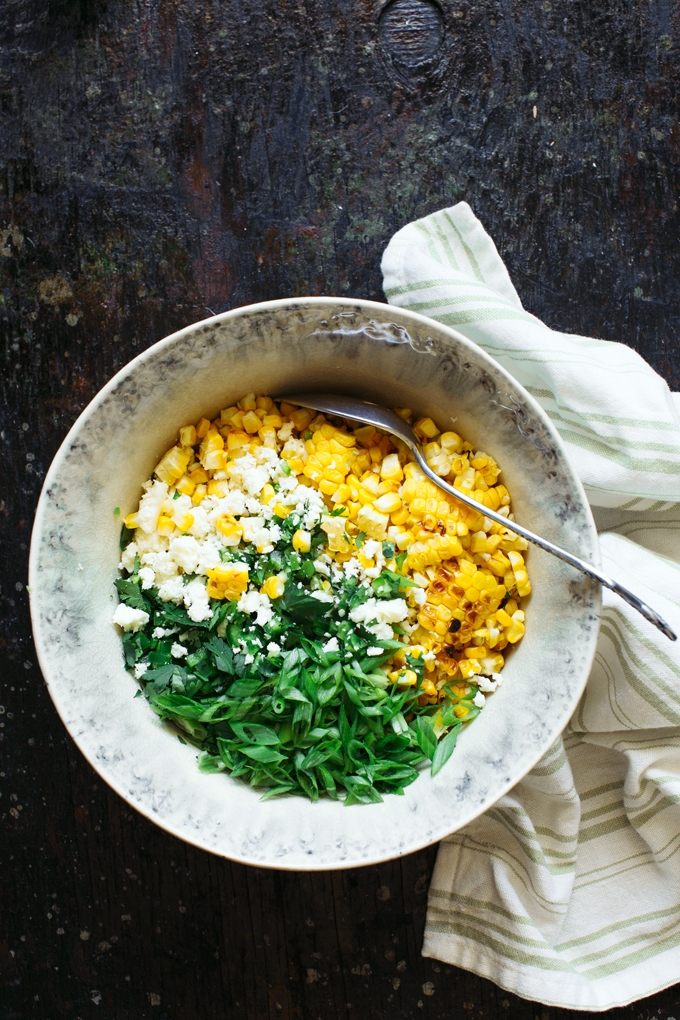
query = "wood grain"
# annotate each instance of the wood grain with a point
(165, 159)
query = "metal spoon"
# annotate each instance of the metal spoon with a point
(389, 421)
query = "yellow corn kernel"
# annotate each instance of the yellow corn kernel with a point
(216, 488)
(341, 494)
(199, 493)
(426, 427)
(337, 537)
(468, 668)
(187, 436)
(373, 523)
(229, 528)
(232, 575)
(130, 521)
(478, 543)
(391, 469)
(274, 586)
(173, 464)
(264, 403)
(301, 418)
(268, 436)
(185, 486)
(202, 428)
(183, 520)
(429, 688)
(248, 403)
(227, 413)
(327, 487)
(389, 503)
(267, 494)
(274, 421)
(515, 632)
(210, 453)
(461, 711)
(404, 677)
(400, 516)
(236, 440)
(251, 423)
(281, 511)
(376, 454)
(302, 541)
(165, 525)
(198, 475)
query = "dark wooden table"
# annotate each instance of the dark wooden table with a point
(166, 159)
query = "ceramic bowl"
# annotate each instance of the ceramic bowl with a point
(376, 352)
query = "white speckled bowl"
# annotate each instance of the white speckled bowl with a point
(373, 351)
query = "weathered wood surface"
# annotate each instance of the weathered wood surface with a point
(163, 159)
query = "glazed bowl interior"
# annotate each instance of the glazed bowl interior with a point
(376, 352)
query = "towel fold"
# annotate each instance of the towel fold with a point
(567, 891)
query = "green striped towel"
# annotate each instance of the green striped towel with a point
(568, 890)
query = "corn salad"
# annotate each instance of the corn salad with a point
(273, 542)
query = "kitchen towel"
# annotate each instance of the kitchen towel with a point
(567, 891)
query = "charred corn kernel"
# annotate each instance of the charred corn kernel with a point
(236, 440)
(302, 541)
(130, 521)
(281, 511)
(185, 486)
(229, 529)
(173, 465)
(389, 503)
(198, 475)
(165, 525)
(202, 428)
(199, 493)
(251, 423)
(183, 520)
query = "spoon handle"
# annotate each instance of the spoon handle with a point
(574, 561)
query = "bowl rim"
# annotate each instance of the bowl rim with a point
(109, 387)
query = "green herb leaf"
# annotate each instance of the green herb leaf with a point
(425, 736)
(445, 749)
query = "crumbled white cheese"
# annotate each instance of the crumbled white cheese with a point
(161, 632)
(322, 596)
(255, 602)
(479, 700)
(185, 551)
(376, 616)
(249, 658)
(321, 567)
(332, 645)
(172, 590)
(273, 647)
(429, 656)
(488, 684)
(130, 619)
(418, 596)
(127, 559)
(178, 651)
(150, 506)
(162, 564)
(375, 650)
(196, 601)
(140, 670)
(147, 577)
